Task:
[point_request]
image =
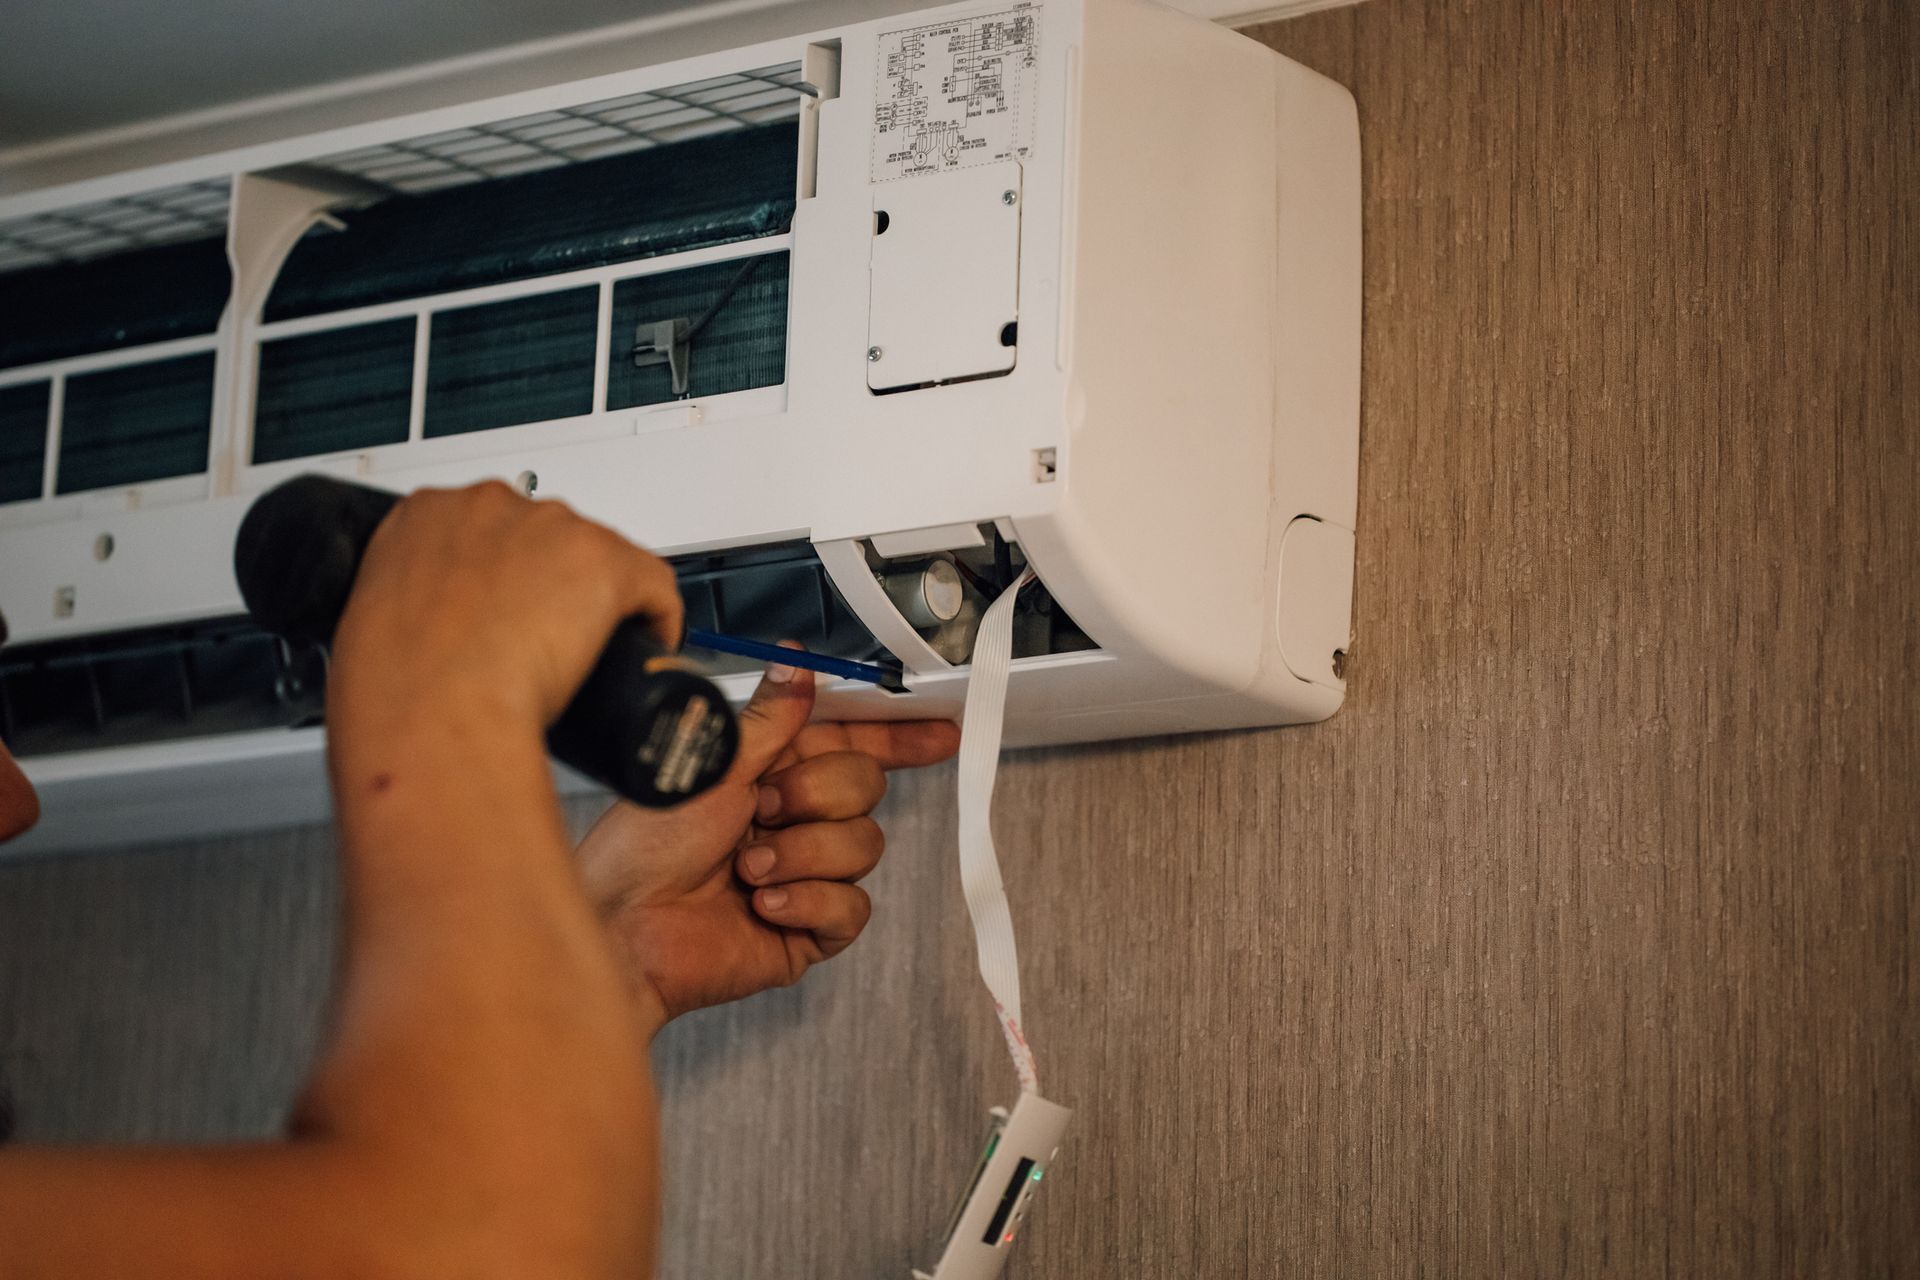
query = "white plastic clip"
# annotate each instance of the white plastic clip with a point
(665, 342)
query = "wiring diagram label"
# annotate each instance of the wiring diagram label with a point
(956, 94)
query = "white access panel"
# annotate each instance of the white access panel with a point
(946, 277)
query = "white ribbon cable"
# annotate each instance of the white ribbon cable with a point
(979, 865)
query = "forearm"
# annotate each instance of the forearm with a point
(485, 1033)
(484, 1092)
(483, 1107)
(292, 1209)
(466, 931)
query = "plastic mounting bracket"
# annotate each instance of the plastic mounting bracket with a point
(665, 342)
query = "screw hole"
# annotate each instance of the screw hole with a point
(103, 547)
(1009, 333)
(528, 482)
(880, 222)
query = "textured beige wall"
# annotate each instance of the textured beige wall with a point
(1581, 942)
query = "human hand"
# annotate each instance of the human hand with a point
(748, 885)
(479, 602)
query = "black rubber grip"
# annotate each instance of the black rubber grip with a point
(654, 733)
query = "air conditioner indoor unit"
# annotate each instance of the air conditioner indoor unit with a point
(851, 326)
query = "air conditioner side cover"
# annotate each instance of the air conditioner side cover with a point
(1211, 337)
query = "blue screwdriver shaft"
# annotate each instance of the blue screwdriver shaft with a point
(762, 652)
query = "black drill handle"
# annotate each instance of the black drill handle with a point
(652, 731)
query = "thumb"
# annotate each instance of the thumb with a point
(778, 710)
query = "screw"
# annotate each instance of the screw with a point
(873, 355)
(1009, 197)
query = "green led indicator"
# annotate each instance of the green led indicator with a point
(1036, 1175)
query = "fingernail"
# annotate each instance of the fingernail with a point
(772, 899)
(757, 862)
(780, 672)
(768, 807)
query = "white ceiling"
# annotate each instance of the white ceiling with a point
(75, 66)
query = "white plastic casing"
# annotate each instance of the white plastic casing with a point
(1031, 1133)
(1175, 446)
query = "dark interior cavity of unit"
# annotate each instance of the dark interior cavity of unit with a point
(156, 684)
(108, 303)
(705, 191)
(130, 424)
(1040, 626)
(532, 358)
(773, 593)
